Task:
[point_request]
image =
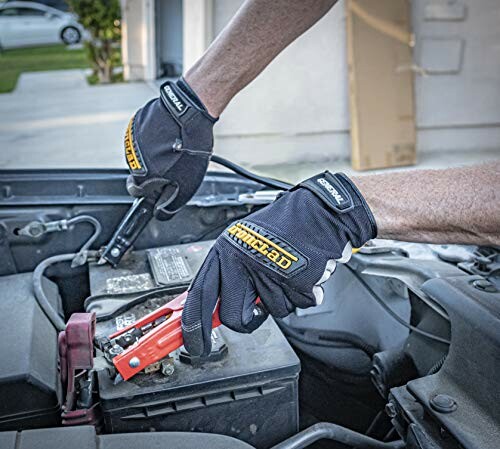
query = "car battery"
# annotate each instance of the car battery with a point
(247, 388)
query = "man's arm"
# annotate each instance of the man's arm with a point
(456, 205)
(258, 32)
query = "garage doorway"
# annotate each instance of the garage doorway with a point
(169, 43)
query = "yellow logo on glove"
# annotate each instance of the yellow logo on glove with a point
(130, 153)
(266, 247)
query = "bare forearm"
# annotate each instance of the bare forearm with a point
(459, 205)
(258, 32)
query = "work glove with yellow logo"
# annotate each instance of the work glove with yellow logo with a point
(281, 254)
(168, 145)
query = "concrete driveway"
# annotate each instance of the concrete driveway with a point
(55, 119)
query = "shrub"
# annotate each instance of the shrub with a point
(101, 18)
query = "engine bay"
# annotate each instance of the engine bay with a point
(402, 353)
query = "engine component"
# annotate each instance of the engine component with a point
(485, 262)
(29, 385)
(392, 367)
(336, 433)
(457, 406)
(77, 259)
(143, 270)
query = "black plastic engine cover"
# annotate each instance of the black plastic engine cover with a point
(29, 382)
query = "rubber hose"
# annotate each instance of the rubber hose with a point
(40, 296)
(337, 433)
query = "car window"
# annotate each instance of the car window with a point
(9, 12)
(30, 12)
(15, 12)
(61, 5)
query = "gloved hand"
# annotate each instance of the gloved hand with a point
(282, 253)
(168, 144)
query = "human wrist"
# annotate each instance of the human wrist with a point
(210, 87)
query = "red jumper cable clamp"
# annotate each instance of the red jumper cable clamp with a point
(151, 338)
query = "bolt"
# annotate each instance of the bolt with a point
(115, 350)
(167, 367)
(443, 403)
(134, 362)
(115, 252)
(36, 229)
(484, 285)
(390, 410)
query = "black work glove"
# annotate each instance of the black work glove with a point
(282, 253)
(168, 145)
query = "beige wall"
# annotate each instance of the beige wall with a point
(197, 23)
(138, 40)
(298, 107)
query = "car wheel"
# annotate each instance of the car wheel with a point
(70, 35)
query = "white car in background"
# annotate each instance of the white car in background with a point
(29, 24)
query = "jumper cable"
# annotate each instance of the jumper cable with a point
(152, 338)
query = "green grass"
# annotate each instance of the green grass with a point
(57, 57)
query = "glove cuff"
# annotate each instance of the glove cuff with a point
(361, 202)
(182, 102)
(186, 88)
(343, 198)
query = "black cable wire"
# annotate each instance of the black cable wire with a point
(40, 296)
(269, 182)
(134, 300)
(391, 312)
